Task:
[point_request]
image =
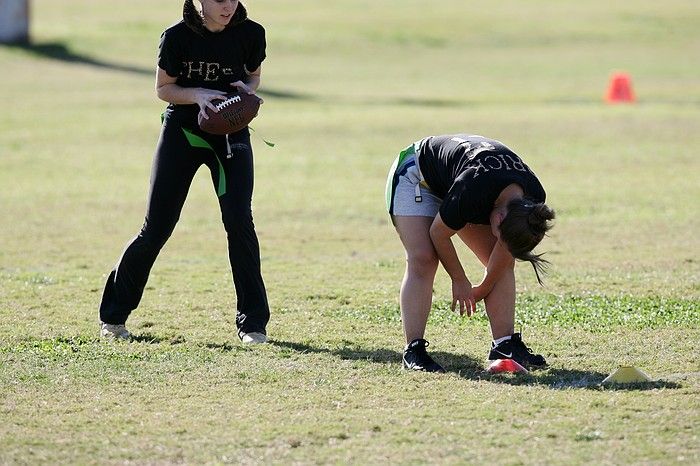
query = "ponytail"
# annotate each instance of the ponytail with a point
(523, 227)
(240, 15)
(194, 20)
(192, 17)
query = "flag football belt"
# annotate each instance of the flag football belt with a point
(400, 167)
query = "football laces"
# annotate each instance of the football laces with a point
(229, 101)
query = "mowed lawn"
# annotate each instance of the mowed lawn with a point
(346, 86)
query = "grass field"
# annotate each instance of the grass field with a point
(347, 85)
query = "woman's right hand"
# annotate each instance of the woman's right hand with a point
(463, 295)
(204, 97)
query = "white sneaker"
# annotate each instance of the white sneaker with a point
(253, 338)
(117, 332)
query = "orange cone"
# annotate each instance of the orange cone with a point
(620, 89)
(506, 365)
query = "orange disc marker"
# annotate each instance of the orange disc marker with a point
(506, 365)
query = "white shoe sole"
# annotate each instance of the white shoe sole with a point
(254, 338)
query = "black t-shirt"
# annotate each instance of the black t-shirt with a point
(213, 60)
(469, 172)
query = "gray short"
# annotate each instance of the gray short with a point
(402, 197)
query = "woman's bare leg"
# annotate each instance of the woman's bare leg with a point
(500, 302)
(421, 265)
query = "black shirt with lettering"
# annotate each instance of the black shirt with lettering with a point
(213, 60)
(469, 172)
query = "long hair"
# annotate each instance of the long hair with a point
(523, 227)
(193, 18)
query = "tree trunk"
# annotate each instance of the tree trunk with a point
(14, 21)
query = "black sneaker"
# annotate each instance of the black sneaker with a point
(416, 358)
(517, 350)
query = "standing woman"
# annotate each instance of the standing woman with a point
(480, 190)
(211, 52)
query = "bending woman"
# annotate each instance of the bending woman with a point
(481, 191)
(206, 55)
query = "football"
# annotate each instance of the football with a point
(234, 112)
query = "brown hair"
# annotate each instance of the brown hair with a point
(523, 228)
(194, 19)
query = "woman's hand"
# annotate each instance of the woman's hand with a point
(204, 97)
(480, 292)
(463, 295)
(243, 87)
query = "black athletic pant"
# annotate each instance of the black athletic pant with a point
(180, 152)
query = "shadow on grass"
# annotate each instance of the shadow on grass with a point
(155, 339)
(428, 102)
(463, 366)
(289, 95)
(640, 386)
(222, 346)
(470, 368)
(552, 377)
(60, 52)
(382, 356)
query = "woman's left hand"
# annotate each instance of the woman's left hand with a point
(479, 292)
(243, 87)
(462, 297)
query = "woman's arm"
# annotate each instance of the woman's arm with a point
(441, 235)
(251, 82)
(169, 91)
(500, 260)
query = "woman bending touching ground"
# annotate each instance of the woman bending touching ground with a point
(211, 52)
(481, 191)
